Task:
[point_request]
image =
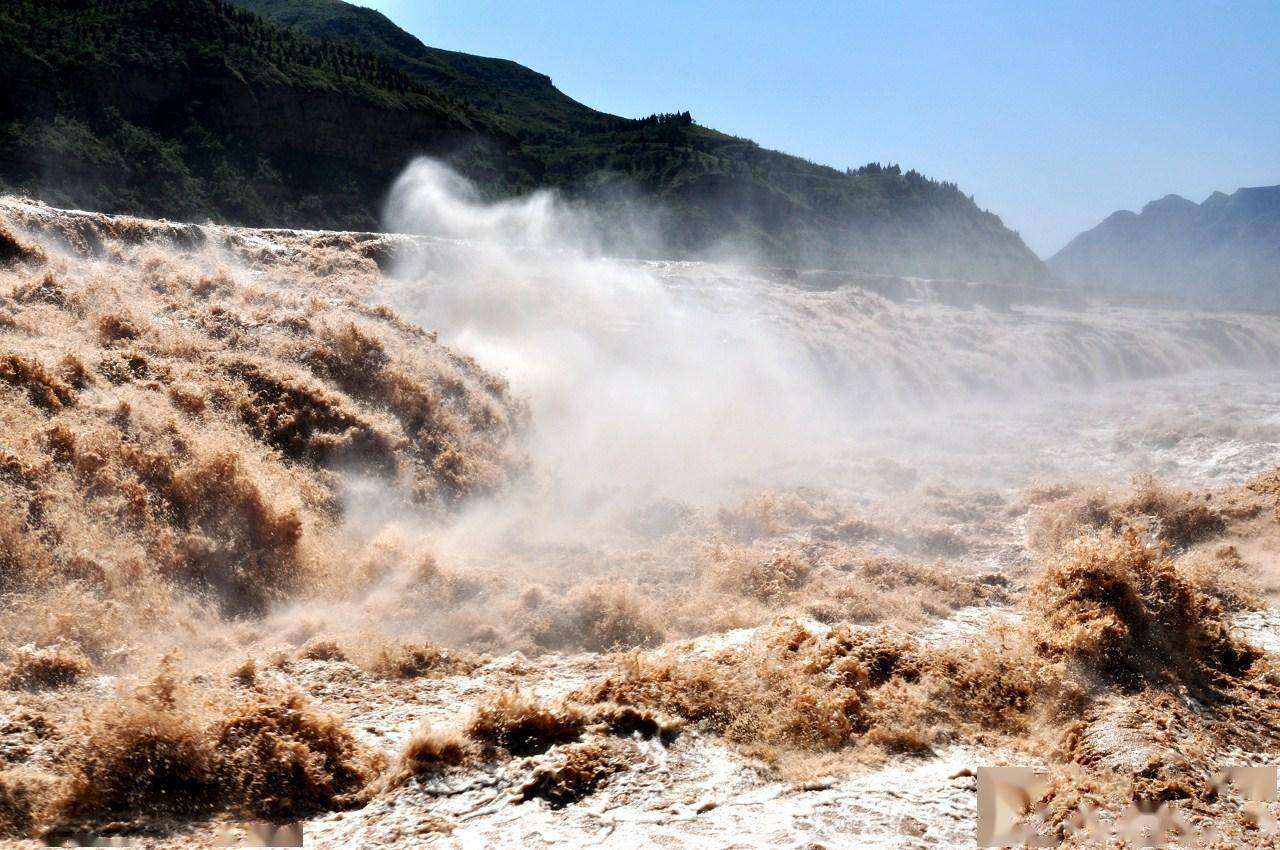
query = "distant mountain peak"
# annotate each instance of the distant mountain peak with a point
(1170, 204)
(1121, 215)
(1264, 200)
(1224, 252)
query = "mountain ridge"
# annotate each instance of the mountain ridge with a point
(456, 72)
(1222, 252)
(205, 109)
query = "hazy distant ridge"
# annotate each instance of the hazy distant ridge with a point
(1223, 252)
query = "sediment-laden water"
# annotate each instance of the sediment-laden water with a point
(483, 540)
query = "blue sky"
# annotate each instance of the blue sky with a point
(1053, 116)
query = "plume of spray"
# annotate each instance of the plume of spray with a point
(650, 381)
(639, 389)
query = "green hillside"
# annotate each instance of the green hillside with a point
(709, 188)
(202, 109)
(195, 108)
(522, 99)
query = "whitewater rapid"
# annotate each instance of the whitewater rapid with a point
(691, 380)
(706, 379)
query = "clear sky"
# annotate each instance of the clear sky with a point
(1053, 115)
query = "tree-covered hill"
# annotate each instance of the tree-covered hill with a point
(196, 108)
(521, 98)
(203, 109)
(710, 188)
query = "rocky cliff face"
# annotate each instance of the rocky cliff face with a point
(1224, 252)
